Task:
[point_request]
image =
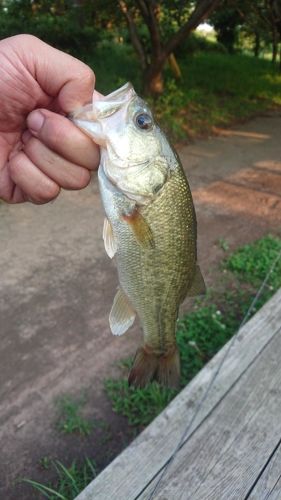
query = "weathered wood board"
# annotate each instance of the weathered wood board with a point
(226, 454)
(129, 474)
(268, 486)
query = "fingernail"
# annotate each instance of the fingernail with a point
(35, 121)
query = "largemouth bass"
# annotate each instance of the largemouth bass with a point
(150, 228)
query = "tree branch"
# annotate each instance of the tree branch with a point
(148, 13)
(134, 34)
(201, 12)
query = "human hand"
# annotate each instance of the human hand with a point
(40, 149)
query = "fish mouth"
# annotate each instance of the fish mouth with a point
(88, 117)
(105, 105)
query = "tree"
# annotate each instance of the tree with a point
(259, 20)
(168, 24)
(226, 21)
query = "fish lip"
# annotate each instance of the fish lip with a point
(105, 105)
(126, 90)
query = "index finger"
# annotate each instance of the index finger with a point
(62, 136)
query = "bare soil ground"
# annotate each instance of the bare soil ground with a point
(57, 287)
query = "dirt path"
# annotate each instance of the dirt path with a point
(57, 287)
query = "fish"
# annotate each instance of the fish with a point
(150, 228)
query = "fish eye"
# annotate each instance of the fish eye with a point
(144, 121)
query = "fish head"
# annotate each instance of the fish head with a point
(135, 154)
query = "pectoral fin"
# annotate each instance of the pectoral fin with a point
(198, 286)
(140, 228)
(121, 316)
(108, 238)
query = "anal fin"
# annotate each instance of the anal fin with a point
(122, 315)
(198, 286)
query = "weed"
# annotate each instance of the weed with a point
(70, 481)
(140, 406)
(223, 244)
(126, 363)
(45, 463)
(70, 419)
(252, 262)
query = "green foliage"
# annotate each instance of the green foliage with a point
(203, 332)
(199, 336)
(195, 44)
(114, 64)
(167, 107)
(70, 420)
(223, 244)
(140, 406)
(215, 89)
(252, 262)
(226, 21)
(70, 480)
(62, 32)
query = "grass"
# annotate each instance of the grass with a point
(251, 262)
(70, 418)
(201, 333)
(216, 89)
(70, 480)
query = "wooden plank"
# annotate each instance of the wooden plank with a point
(224, 457)
(138, 464)
(268, 486)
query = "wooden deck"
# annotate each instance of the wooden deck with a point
(233, 448)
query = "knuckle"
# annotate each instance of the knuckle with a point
(53, 133)
(85, 178)
(79, 180)
(47, 193)
(14, 165)
(31, 147)
(87, 75)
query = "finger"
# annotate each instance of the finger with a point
(37, 186)
(57, 73)
(63, 172)
(62, 136)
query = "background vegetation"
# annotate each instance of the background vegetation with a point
(199, 81)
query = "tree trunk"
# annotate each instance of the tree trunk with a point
(153, 83)
(257, 45)
(274, 46)
(174, 66)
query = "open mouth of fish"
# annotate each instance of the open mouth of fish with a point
(87, 117)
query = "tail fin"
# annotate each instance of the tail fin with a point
(148, 366)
